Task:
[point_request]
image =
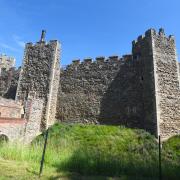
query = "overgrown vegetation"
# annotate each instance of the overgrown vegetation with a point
(100, 150)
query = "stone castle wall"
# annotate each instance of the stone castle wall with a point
(167, 84)
(35, 71)
(103, 92)
(36, 93)
(142, 52)
(8, 82)
(12, 128)
(138, 90)
(10, 109)
(33, 116)
(82, 86)
(6, 62)
(39, 77)
(54, 85)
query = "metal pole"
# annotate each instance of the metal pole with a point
(160, 168)
(43, 154)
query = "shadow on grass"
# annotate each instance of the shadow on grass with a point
(107, 152)
(89, 163)
(94, 163)
(80, 177)
(76, 176)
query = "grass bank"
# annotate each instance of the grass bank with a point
(90, 150)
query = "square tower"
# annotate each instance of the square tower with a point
(161, 88)
(39, 77)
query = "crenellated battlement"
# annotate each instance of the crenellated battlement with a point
(40, 43)
(153, 33)
(134, 87)
(114, 59)
(139, 90)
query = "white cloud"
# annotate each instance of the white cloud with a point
(6, 46)
(18, 40)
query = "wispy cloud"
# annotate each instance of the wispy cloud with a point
(18, 44)
(18, 40)
(6, 46)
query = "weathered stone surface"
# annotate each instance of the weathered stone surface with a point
(102, 92)
(138, 90)
(12, 128)
(82, 87)
(33, 115)
(37, 90)
(39, 77)
(10, 108)
(6, 62)
(8, 83)
(167, 82)
(142, 52)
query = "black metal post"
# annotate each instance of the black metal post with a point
(43, 154)
(160, 168)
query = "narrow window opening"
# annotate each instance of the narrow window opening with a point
(128, 110)
(134, 110)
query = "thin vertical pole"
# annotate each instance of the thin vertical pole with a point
(43, 154)
(160, 168)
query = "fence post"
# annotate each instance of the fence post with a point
(160, 167)
(43, 154)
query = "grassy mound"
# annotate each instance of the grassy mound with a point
(103, 150)
(100, 150)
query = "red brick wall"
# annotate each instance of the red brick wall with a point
(11, 112)
(12, 121)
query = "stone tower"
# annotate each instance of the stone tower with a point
(160, 82)
(39, 80)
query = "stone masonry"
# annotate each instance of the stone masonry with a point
(36, 92)
(10, 109)
(6, 62)
(167, 85)
(12, 128)
(39, 77)
(138, 90)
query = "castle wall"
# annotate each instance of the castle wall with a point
(6, 62)
(12, 128)
(167, 89)
(11, 85)
(39, 77)
(10, 109)
(54, 86)
(35, 71)
(82, 88)
(102, 92)
(34, 114)
(142, 52)
(139, 90)
(8, 79)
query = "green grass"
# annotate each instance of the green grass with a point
(26, 171)
(90, 150)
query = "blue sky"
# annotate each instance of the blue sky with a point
(85, 28)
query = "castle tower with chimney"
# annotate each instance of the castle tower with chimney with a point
(39, 79)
